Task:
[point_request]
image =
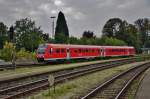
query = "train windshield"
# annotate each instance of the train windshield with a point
(41, 50)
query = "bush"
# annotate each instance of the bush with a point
(7, 51)
(113, 42)
(24, 55)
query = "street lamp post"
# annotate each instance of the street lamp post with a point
(53, 26)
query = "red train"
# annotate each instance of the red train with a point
(50, 52)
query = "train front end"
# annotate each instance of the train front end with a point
(41, 52)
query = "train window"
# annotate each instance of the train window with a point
(75, 50)
(57, 51)
(62, 50)
(110, 50)
(89, 50)
(86, 50)
(92, 50)
(80, 50)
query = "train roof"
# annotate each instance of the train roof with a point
(85, 46)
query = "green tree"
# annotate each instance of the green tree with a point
(147, 44)
(88, 34)
(73, 40)
(3, 34)
(51, 40)
(133, 37)
(27, 36)
(11, 34)
(143, 26)
(121, 30)
(61, 39)
(109, 41)
(112, 27)
(45, 37)
(61, 27)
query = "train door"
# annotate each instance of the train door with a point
(128, 51)
(102, 52)
(68, 53)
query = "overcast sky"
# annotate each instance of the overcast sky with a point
(81, 15)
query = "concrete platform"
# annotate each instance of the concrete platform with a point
(144, 88)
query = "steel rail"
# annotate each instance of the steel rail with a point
(110, 81)
(123, 90)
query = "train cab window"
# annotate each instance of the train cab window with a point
(41, 50)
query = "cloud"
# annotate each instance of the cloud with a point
(81, 15)
(54, 11)
(58, 3)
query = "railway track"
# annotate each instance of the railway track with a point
(10, 66)
(10, 92)
(18, 65)
(116, 87)
(9, 82)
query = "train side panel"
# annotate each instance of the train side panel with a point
(115, 52)
(84, 52)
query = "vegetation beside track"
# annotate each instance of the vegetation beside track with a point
(74, 88)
